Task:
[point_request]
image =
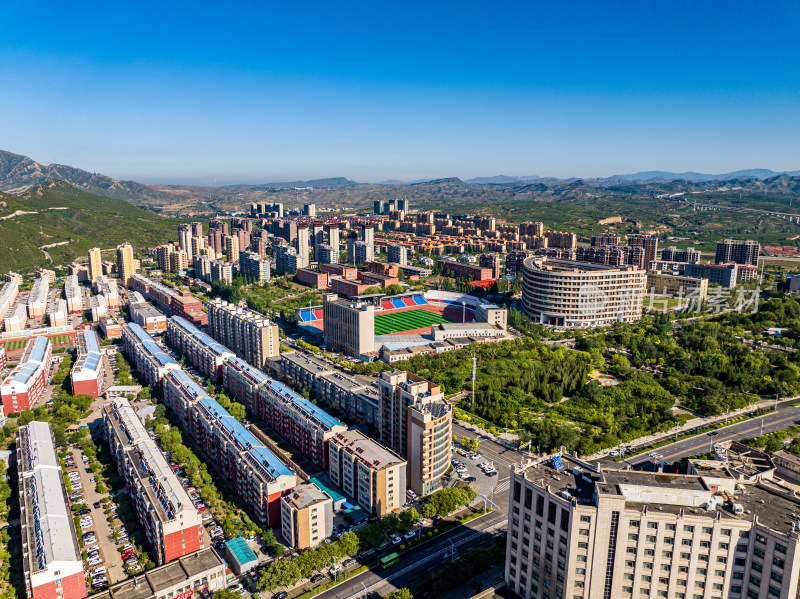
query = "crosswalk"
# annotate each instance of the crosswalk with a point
(503, 485)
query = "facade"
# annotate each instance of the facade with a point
(125, 265)
(164, 257)
(16, 319)
(95, 264)
(287, 260)
(108, 289)
(257, 476)
(248, 334)
(467, 271)
(397, 253)
(171, 522)
(148, 317)
(89, 372)
(298, 420)
(25, 385)
(363, 252)
(3, 358)
(340, 270)
(312, 278)
(725, 275)
(490, 261)
(73, 293)
(492, 314)
(57, 314)
(306, 517)
(197, 574)
(221, 271)
(327, 254)
(253, 266)
(37, 299)
(467, 330)
(348, 325)
(51, 557)
(346, 287)
(150, 360)
(673, 254)
(738, 252)
(576, 294)
(648, 243)
(416, 423)
(574, 532)
(188, 307)
(8, 294)
(677, 285)
(374, 476)
(207, 355)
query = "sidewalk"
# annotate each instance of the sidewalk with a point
(686, 427)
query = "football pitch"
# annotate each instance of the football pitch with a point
(386, 324)
(20, 343)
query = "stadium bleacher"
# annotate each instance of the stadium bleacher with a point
(307, 315)
(409, 301)
(398, 303)
(318, 313)
(420, 301)
(387, 305)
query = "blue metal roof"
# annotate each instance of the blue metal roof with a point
(201, 337)
(150, 346)
(303, 404)
(258, 455)
(39, 349)
(257, 376)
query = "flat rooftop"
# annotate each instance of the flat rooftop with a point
(305, 495)
(612, 479)
(563, 479)
(363, 448)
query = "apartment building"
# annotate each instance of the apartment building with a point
(613, 255)
(561, 239)
(160, 294)
(580, 533)
(150, 360)
(737, 251)
(8, 294)
(178, 261)
(73, 293)
(362, 252)
(312, 278)
(89, 372)
(125, 263)
(148, 317)
(354, 396)
(648, 243)
(725, 275)
(397, 253)
(221, 271)
(37, 299)
(257, 476)
(327, 254)
(677, 285)
(605, 239)
(306, 517)
(52, 565)
(460, 270)
(306, 426)
(108, 289)
(348, 325)
(184, 304)
(673, 254)
(205, 354)
(57, 314)
(374, 476)
(490, 261)
(3, 358)
(287, 260)
(416, 423)
(171, 522)
(95, 264)
(346, 272)
(577, 294)
(26, 384)
(248, 334)
(164, 257)
(16, 319)
(254, 267)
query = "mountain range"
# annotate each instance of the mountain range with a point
(19, 174)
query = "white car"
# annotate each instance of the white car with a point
(477, 456)
(98, 571)
(94, 561)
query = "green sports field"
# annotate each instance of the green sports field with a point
(21, 343)
(386, 324)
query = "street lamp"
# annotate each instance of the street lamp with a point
(365, 588)
(452, 551)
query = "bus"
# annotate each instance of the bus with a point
(389, 560)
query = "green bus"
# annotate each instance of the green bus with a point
(389, 560)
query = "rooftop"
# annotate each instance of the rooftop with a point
(612, 479)
(241, 551)
(305, 495)
(369, 452)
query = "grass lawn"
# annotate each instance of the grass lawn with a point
(386, 324)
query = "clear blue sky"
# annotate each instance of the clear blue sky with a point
(202, 92)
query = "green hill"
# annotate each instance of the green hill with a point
(63, 213)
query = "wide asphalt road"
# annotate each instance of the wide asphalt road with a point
(784, 418)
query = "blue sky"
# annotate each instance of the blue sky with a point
(201, 93)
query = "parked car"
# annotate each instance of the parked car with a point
(316, 578)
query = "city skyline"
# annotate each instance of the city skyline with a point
(264, 94)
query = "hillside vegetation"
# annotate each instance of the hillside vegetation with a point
(64, 213)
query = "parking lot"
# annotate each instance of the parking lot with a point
(475, 468)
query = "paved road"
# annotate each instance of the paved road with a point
(418, 564)
(784, 418)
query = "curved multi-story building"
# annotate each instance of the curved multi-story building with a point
(573, 294)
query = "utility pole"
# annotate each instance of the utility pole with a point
(474, 368)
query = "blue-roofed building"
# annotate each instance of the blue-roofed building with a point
(299, 421)
(205, 353)
(25, 385)
(89, 372)
(253, 471)
(242, 380)
(150, 359)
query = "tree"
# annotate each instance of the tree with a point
(409, 518)
(226, 594)
(428, 510)
(403, 593)
(349, 543)
(272, 544)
